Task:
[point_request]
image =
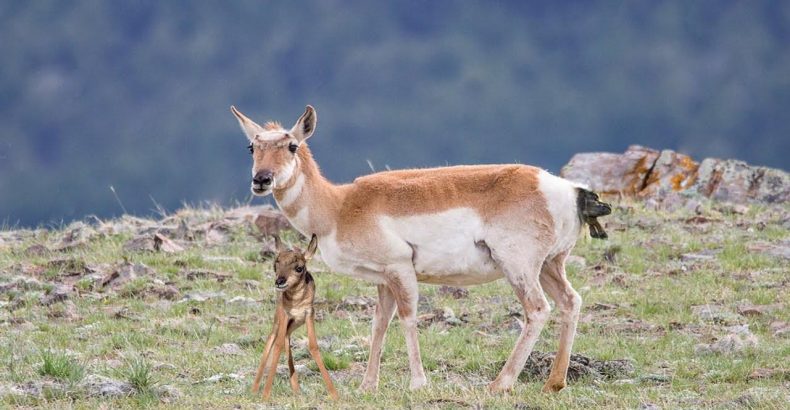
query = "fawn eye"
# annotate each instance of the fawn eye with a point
(292, 147)
(249, 147)
(299, 269)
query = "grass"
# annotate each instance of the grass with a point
(649, 287)
(60, 366)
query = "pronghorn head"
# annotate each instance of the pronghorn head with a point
(274, 149)
(290, 266)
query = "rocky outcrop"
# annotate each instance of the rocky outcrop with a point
(647, 173)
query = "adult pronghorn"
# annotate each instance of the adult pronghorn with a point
(460, 225)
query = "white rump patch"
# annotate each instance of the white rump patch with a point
(560, 197)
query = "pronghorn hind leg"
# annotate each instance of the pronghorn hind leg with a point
(312, 346)
(522, 271)
(568, 301)
(381, 320)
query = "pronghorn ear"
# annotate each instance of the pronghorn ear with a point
(305, 125)
(311, 248)
(250, 127)
(278, 243)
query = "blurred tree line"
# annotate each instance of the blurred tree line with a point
(135, 94)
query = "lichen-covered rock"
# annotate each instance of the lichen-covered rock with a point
(736, 181)
(672, 172)
(668, 179)
(609, 173)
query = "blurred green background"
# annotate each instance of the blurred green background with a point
(135, 94)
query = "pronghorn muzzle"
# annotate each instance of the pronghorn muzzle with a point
(262, 182)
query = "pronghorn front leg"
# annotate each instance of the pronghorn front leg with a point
(381, 321)
(404, 289)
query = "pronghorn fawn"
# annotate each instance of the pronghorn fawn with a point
(296, 289)
(461, 225)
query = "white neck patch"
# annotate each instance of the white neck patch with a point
(293, 192)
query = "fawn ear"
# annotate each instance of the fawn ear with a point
(278, 243)
(311, 248)
(305, 125)
(249, 126)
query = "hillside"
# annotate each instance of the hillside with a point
(686, 308)
(135, 95)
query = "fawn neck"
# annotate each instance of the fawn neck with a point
(308, 200)
(301, 295)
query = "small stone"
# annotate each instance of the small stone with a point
(201, 296)
(222, 377)
(229, 349)
(714, 313)
(166, 245)
(59, 294)
(101, 386)
(243, 300)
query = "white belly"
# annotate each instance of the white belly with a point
(448, 247)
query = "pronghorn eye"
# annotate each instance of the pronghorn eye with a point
(299, 269)
(292, 147)
(249, 147)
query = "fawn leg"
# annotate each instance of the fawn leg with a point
(291, 370)
(312, 345)
(256, 384)
(279, 342)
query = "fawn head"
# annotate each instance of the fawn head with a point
(290, 265)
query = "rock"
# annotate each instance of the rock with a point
(670, 180)
(738, 182)
(671, 172)
(165, 244)
(222, 377)
(779, 328)
(215, 237)
(714, 313)
(21, 283)
(168, 393)
(270, 222)
(125, 273)
(101, 386)
(58, 294)
(142, 243)
(758, 374)
(168, 292)
(739, 339)
(757, 310)
(608, 173)
(201, 296)
(36, 250)
(229, 349)
(539, 365)
(207, 274)
(779, 250)
(358, 302)
(243, 300)
(454, 292)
